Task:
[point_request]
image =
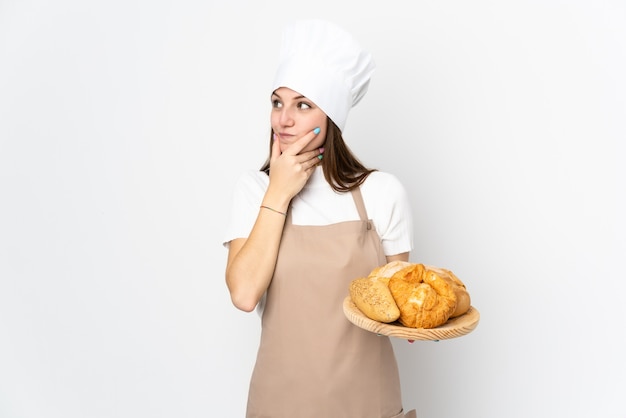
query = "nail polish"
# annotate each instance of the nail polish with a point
(316, 131)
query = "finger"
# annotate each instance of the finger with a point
(312, 162)
(275, 149)
(301, 143)
(310, 155)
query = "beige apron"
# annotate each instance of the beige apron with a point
(312, 362)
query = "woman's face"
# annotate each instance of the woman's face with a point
(293, 116)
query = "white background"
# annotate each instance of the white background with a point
(124, 123)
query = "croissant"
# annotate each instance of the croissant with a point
(425, 299)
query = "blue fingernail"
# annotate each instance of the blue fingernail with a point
(316, 131)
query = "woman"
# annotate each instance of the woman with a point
(310, 221)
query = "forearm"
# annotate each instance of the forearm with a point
(398, 257)
(251, 261)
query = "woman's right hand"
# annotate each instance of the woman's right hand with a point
(290, 170)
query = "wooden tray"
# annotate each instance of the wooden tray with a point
(455, 327)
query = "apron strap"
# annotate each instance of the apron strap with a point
(360, 206)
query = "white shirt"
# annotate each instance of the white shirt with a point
(317, 203)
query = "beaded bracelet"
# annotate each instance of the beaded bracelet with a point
(273, 210)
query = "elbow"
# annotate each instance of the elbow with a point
(242, 297)
(242, 303)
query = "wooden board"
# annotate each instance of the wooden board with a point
(454, 328)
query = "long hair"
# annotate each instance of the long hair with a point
(342, 169)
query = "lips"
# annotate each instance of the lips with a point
(286, 139)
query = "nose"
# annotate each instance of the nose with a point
(286, 118)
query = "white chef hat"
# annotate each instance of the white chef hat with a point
(324, 63)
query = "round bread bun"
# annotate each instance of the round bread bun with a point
(424, 298)
(463, 300)
(385, 271)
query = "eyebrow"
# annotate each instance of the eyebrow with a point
(295, 98)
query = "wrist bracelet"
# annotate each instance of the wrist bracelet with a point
(273, 210)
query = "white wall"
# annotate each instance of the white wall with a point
(124, 123)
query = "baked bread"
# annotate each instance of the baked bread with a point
(416, 295)
(424, 298)
(373, 297)
(385, 271)
(463, 300)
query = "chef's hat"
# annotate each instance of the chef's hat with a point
(324, 63)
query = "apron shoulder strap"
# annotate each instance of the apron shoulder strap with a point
(360, 206)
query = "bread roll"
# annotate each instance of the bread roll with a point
(463, 300)
(416, 295)
(424, 298)
(385, 271)
(373, 298)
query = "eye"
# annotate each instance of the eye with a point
(304, 106)
(276, 104)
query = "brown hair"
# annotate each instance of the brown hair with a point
(342, 169)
